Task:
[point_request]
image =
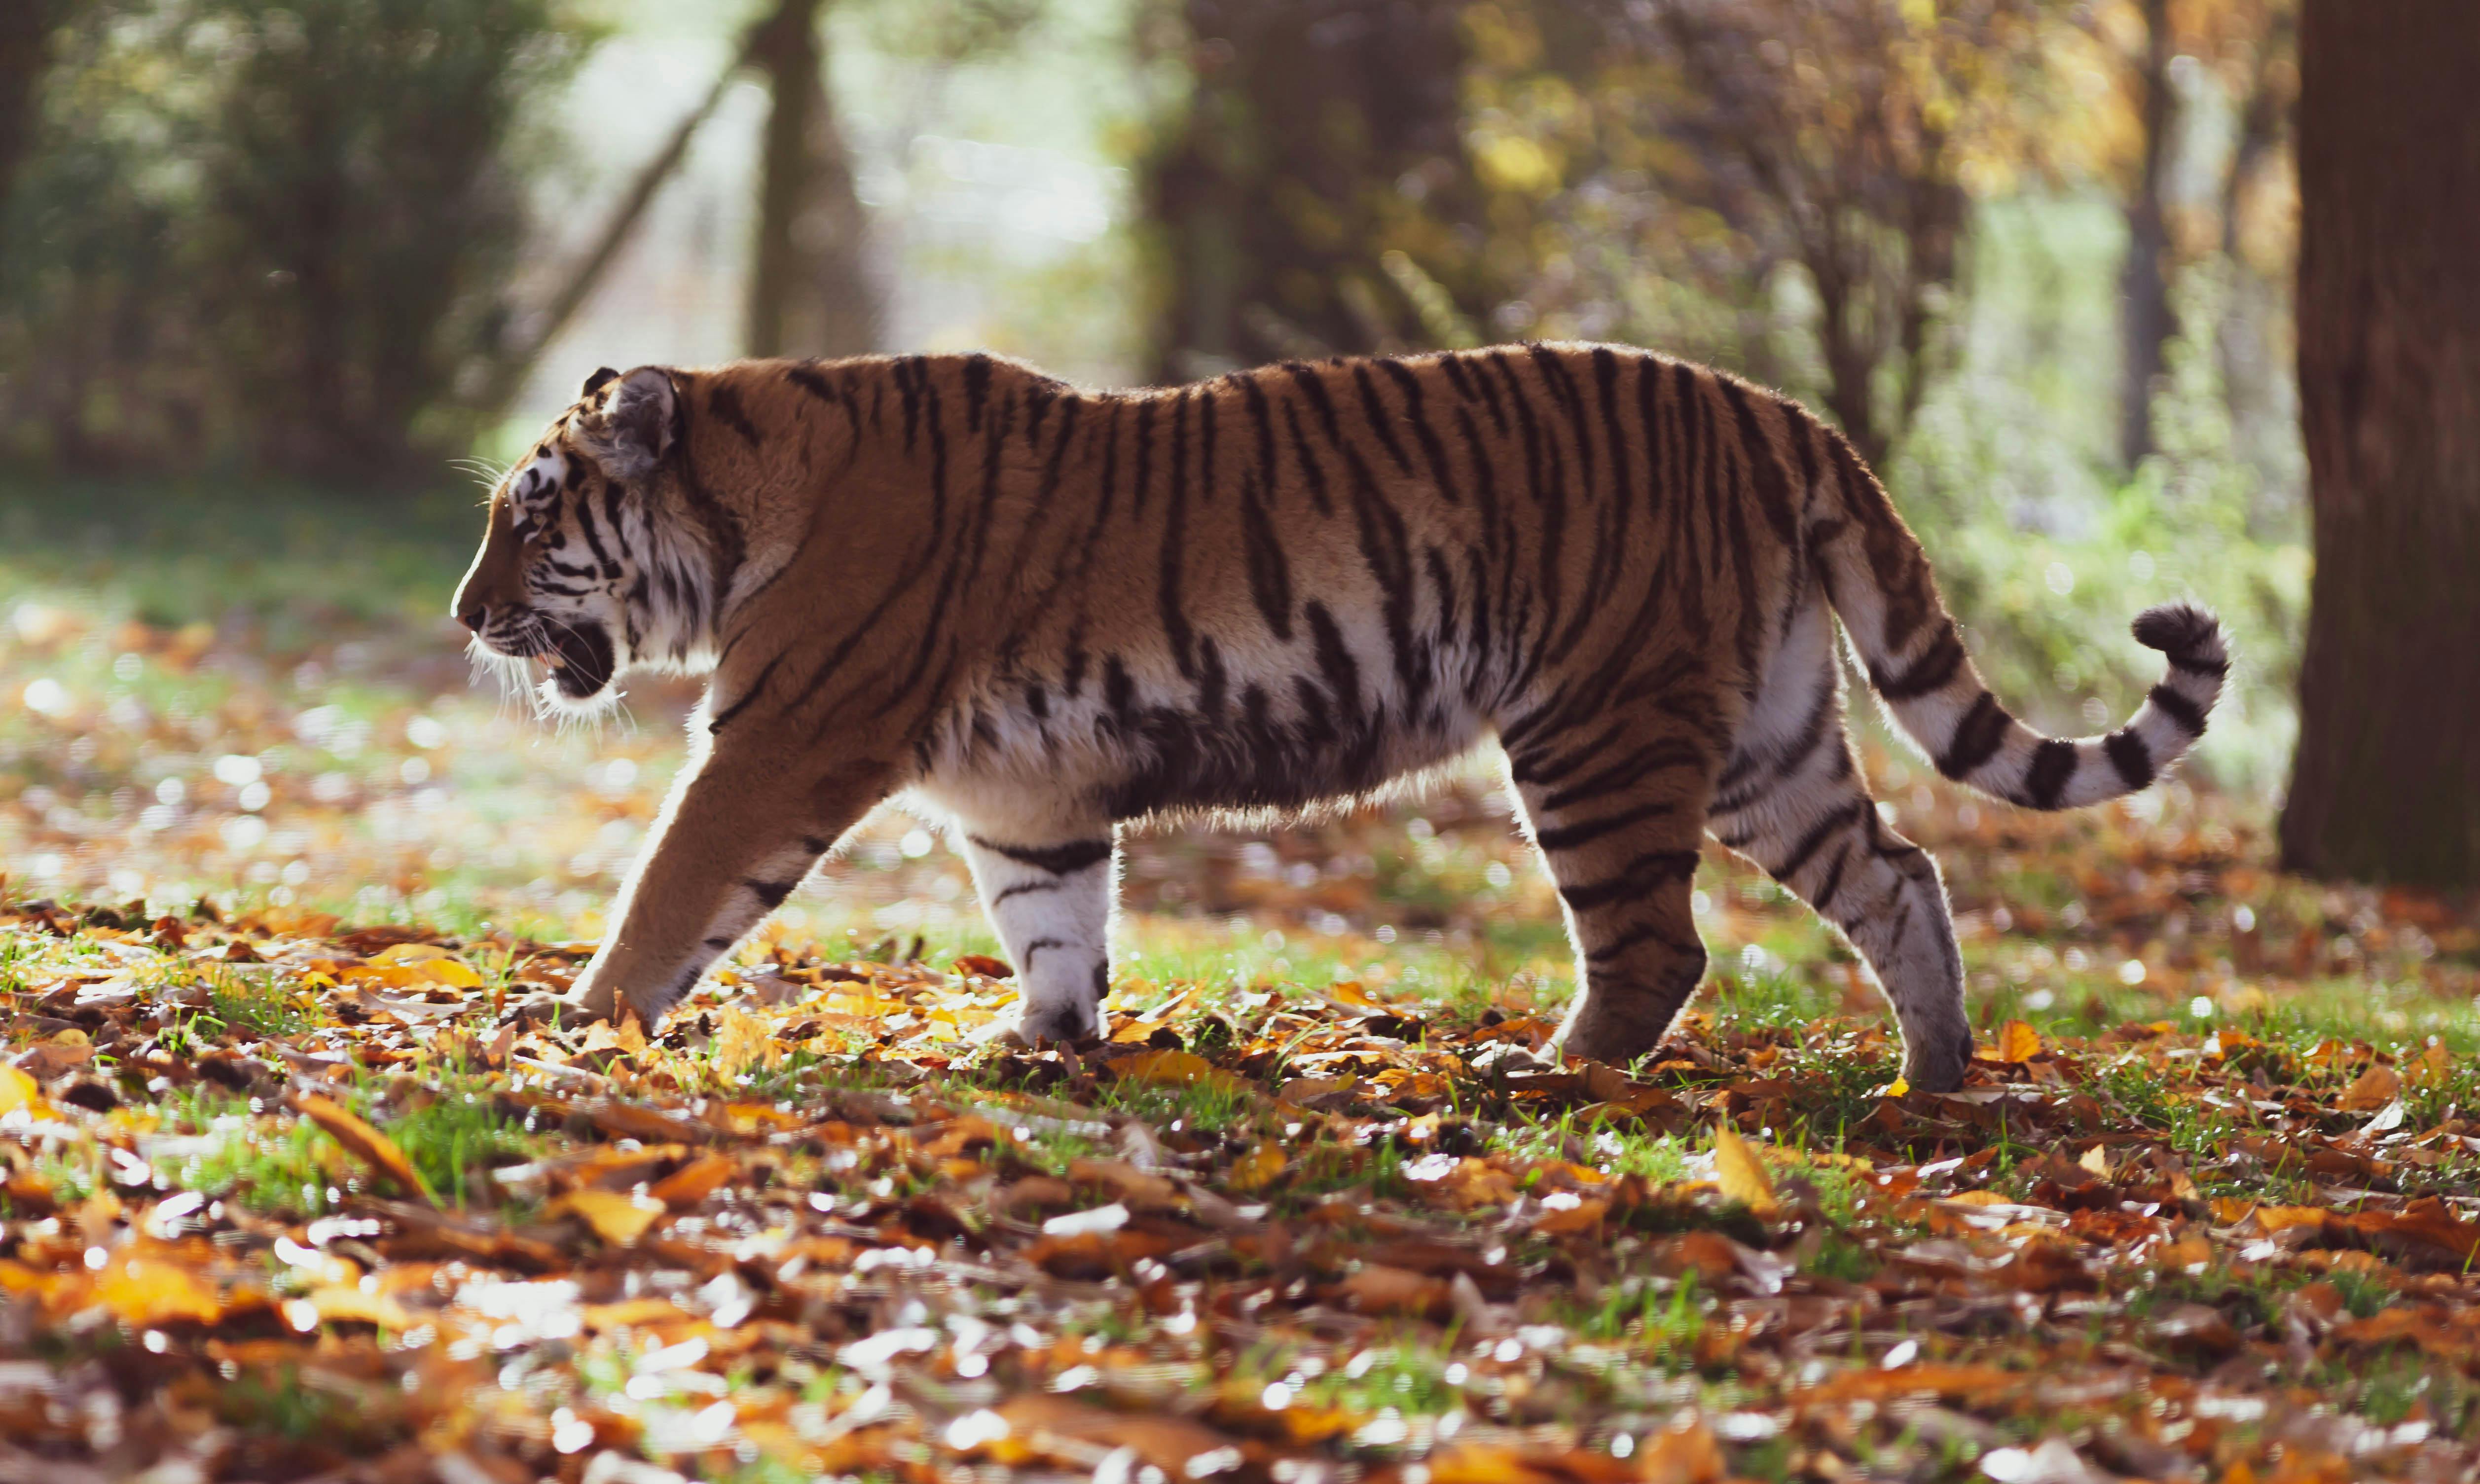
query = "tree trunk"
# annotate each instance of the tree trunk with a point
(25, 52)
(2144, 291)
(809, 289)
(2387, 783)
(1320, 134)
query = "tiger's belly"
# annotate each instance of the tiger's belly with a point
(1068, 766)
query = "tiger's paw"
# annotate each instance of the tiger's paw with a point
(1615, 1038)
(1038, 1025)
(1938, 1061)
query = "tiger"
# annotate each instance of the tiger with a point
(1046, 615)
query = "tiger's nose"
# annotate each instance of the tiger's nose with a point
(474, 617)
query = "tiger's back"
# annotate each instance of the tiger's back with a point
(1049, 612)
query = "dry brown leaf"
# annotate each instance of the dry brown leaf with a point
(695, 1181)
(1741, 1173)
(2373, 1089)
(1378, 1289)
(362, 1141)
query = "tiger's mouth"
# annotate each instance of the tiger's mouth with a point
(577, 657)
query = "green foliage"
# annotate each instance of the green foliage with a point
(232, 238)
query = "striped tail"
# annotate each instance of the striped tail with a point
(1880, 582)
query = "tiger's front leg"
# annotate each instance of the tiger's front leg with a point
(743, 825)
(1049, 894)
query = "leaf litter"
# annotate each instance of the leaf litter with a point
(343, 1213)
(286, 1194)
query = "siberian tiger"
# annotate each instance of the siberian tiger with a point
(1051, 612)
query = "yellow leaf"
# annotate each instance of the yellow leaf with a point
(348, 1304)
(416, 963)
(410, 953)
(742, 1042)
(1257, 1168)
(2097, 1160)
(1741, 1173)
(1177, 1069)
(363, 1142)
(148, 1291)
(19, 1091)
(618, 1220)
(1899, 1087)
(2018, 1042)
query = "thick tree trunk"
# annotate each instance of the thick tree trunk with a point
(25, 52)
(809, 290)
(2144, 291)
(1314, 127)
(2387, 783)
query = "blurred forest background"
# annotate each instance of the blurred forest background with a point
(276, 275)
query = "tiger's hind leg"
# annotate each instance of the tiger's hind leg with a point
(1049, 899)
(1618, 811)
(1807, 818)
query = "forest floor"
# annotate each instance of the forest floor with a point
(286, 1191)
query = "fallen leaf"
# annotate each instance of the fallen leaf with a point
(1175, 1069)
(1255, 1169)
(618, 1220)
(362, 1141)
(2018, 1042)
(144, 1291)
(693, 1182)
(2373, 1089)
(17, 1090)
(1741, 1173)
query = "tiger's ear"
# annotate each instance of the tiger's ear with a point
(632, 432)
(595, 383)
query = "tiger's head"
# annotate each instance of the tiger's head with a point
(586, 568)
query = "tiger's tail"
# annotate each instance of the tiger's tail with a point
(1878, 580)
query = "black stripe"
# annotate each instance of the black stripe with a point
(1380, 418)
(908, 381)
(1270, 574)
(1144, 456)
(771, 893)
(1930, 673)
(2128, 753)
(1435, 451)
(1671, 753)
(1651, 932)
(756, 687)
(1310, 469)
(1022, 889)
(977, 390)
(1817, 835)
(1025, 964)
(1833, 882)
(1977, 737)
(1569, 836)
(2054, 765)
(1638, 877)
(718, 943)
(723, 405)
(2178, 709)
(1310, 382)
(2217, 667)
(1058, 859)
